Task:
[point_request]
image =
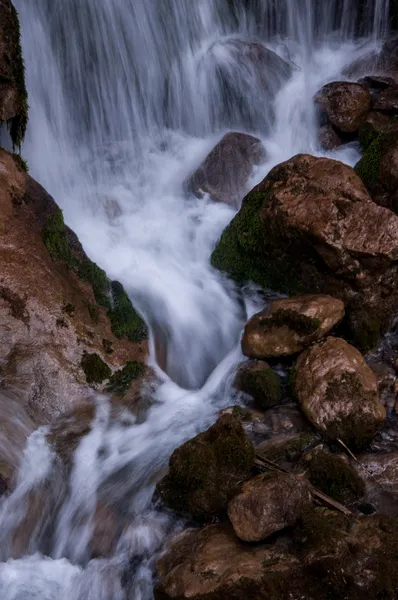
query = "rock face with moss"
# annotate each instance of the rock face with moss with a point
(333, 475)
(224, 173)
(338, 392)
(345, 104)
(290, 325)
(311, 227)
(257, 379)
(205, 472)
(267, 504)
(65, 326)
(13, 95)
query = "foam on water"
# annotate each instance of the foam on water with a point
(127, 97)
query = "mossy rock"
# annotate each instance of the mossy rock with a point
(288, 450)
(362, 328)
(258, 380)
(121, 380)
(320, 528)
(125, 321)
(333, 476)
(205, 472)
(301, 324)
(368, 167)
(95, 369)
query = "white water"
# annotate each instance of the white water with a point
(127, 97)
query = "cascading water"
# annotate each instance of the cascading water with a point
(126, 98)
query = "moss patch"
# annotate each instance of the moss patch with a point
(90, 272)
(264, 385)
(16, 303)
(333, 476)
(319, 528)
(95, 369)
(296, 321)
(56, 239)
(21, 163)
(125, 321)
(19, 123)
(121, 380)
(291, 450)
(205, 472)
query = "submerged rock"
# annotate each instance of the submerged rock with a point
(224, 173)
(338, 392)
(311, 226)
(268, 504)
(346, 104)
(205, 472)
(257, 379)
(290, 325)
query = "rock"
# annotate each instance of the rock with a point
(381, 472)
(67, 431)
(205, 472)
(13, 95)
(330, 558)
(311, 226)
(257, 379)
(375, 124)
(378, 169)
(105, 532)
(386, 100)
(225, 172)
(333, 475)
(268, 504)
(328, 137)
(287, 448)
(346, 104)
(290, 325)
(338, 392)
(54, 303)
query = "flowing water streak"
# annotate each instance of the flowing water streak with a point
(127, 96)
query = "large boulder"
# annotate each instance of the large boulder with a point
(376, 123)
(13, 95)
(267, 504)
(224, 173)
(311, 226)
(378, 169)
(338, 392)
(205, 472)
(290, 325)
(346, 104)
(59, 329)
(257, 379)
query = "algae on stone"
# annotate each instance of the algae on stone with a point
(95, 369)
(121, 380)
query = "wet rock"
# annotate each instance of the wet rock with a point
(329, 138)
(333, 475)
(290, 325)
(338, 392)
(346, 104)
(104, 532)
(375, 124)
(67, 431)
(378, 169)
(42, 344)
(268, 504)
(226, 170)
(13, 95)
(386, 100)
(387, 381)
(205, 472)
(257, 379)
(381, 473)
(287, 447)
(311, 226)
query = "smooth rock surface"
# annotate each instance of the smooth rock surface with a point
(346, 104)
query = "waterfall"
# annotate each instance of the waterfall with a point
(126, 98)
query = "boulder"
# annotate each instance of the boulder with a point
(205, 472)
(311, 226)
(55, 305)
(346, 104)
(290, 325)
(13, 95)
(338, 392)
(225, 172)
(268, 504)
(257, 379)
(329, 138)
(378, 169)
(375, 124)
(386, 100)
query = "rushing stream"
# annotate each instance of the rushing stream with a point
(126, 98)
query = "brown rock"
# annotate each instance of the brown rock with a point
(386, 100)
(226, 170)
(338, 392)
(205, 472)
(375, 124)
(42, 344)
(328, 137)
(346, 104)
(290, 325)
(268, 504)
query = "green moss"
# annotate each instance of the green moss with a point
(21, 163)
(93, 312)
(320, 528)
(368, 167)
(56, 239)
(95, 369)
(206, 471)
(264, 385)
(333, 476)
(366, 135)
(19, 123)
(362, 328)
(296, 321)
(125, 321)
(121, 380)
(90, 272)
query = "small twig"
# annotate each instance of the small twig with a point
(347, 449)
